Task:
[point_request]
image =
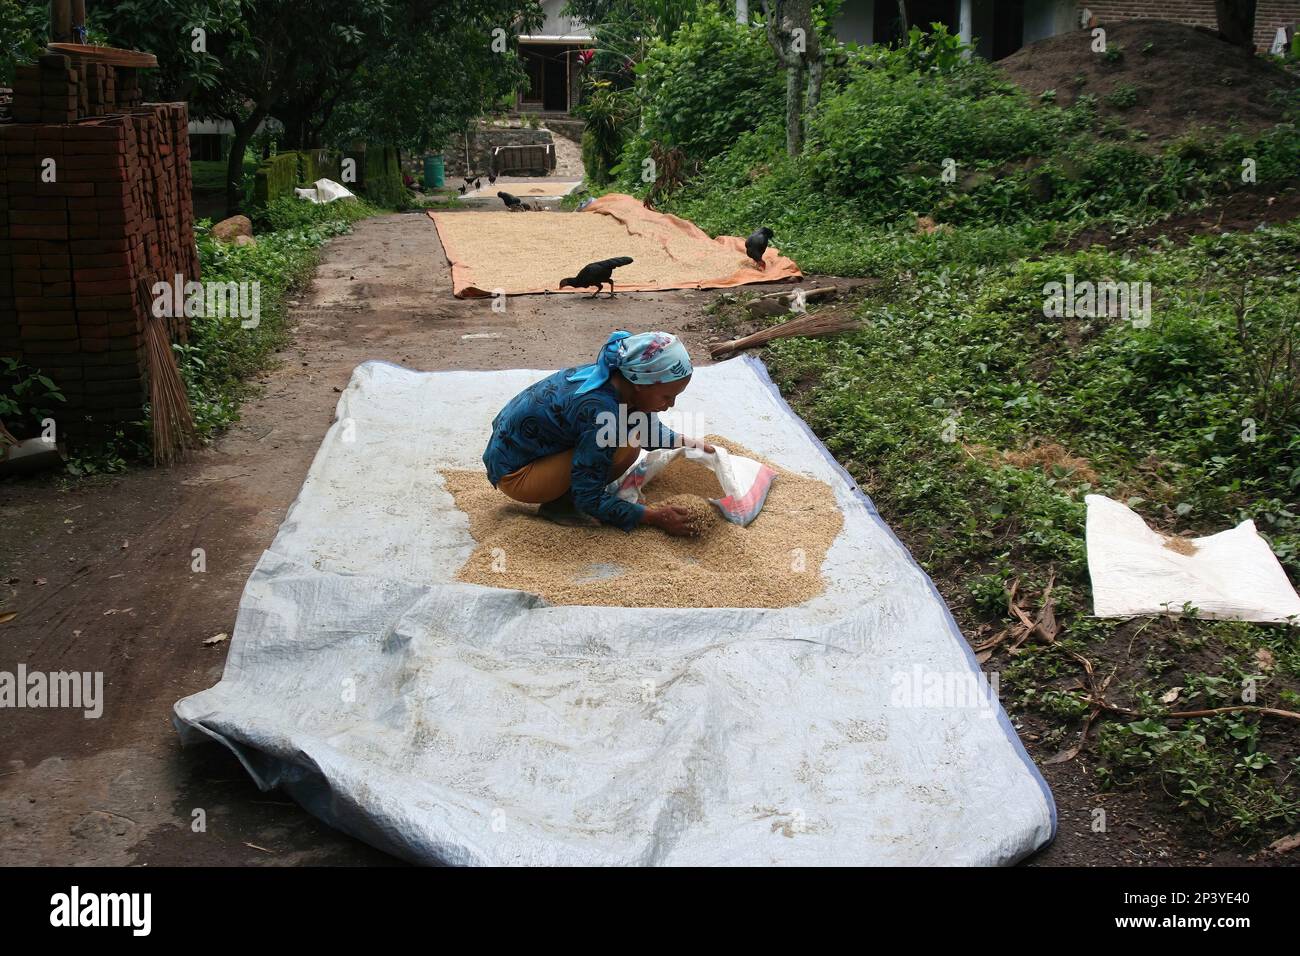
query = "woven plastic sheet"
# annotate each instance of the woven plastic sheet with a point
(453, 723)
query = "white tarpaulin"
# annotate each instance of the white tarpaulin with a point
(323, 191)
(453, 723)
(1232, 575)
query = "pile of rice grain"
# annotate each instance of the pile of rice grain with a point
(774, 562)
(701, 517)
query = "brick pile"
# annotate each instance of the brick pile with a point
(87, 210)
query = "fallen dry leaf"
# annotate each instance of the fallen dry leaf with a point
(1286, 844)
(1171, 695)
(1264, 658)
(8, 616)
(39, 582)
(217, 638)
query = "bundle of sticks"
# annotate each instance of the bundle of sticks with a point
(810, 324)
(173, 424)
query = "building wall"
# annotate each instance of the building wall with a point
(853, 23)
(1047, 18)
(557, 25)
(1269, 14)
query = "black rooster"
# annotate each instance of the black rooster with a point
(756, 245)
(596, 274)
(512, 202)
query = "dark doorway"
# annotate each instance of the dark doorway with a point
(1008, 28)
(548, 77)
(887, 27)
(555, 85)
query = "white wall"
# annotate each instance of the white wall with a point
(1047, 18)
(556, 25)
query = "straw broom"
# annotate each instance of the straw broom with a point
(173, 423)
(814, 323)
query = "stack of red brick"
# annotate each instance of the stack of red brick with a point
(59, 89)
(87, 209)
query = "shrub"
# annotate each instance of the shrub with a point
(713, 81)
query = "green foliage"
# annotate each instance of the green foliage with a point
(26, 397)
(715, 80)
(209, 175)
(221, 354)
(1123, 97)
(887, 122)
(433, 70)
(1213, 768)
(607, 110)
(23, 33)
(624, 29)
(932, 51)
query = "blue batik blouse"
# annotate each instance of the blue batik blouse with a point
(549, 417)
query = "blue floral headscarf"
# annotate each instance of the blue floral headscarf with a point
(645, 359)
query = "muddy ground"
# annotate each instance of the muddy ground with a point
(99, 574)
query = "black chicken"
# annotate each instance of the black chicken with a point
(596, 274)
(478, 182)
(512, 202)
(756, 245)
(492, 178)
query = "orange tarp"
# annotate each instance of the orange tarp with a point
(530, 252)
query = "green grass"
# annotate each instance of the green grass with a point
(209, 175)
(221, 355)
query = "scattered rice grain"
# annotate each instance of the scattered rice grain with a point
(1180, 544)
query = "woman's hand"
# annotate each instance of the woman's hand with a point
(696, 443)
(670, 519)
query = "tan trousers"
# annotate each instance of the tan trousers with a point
(548, 478)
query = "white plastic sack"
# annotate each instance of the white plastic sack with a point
(454, 723)
(744, 482)
(1233, 575)
(326, 190)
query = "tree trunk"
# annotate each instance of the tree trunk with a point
(814, 92)
(784, 19)
(1236, 20)
(235, 165)
(902, 16)
(794, 110)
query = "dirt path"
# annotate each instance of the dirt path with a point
(119, 595)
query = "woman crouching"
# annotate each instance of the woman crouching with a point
(559, 442)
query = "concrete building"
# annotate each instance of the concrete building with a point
(549, 58)
(1000, 27)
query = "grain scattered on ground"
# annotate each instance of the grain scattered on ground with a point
(774, 562)
(1051, 457)
(1180, 544)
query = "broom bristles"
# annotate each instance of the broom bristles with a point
(173, 423)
